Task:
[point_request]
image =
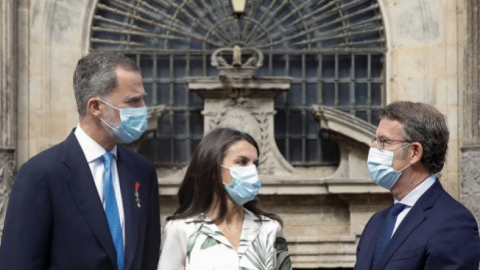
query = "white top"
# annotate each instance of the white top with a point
(412, 198)
(194, 244)
(94, 152)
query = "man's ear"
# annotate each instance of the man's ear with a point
(93, 106)
(416, 152)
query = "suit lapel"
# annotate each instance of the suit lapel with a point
(82, 187)
(131, 211)
(413, 219)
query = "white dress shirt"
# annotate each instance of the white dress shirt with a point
(94, 152)
(412, 198)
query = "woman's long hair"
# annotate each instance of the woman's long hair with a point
(202, 183)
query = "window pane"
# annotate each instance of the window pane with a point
(312, 150)
(296, 150)
(361, 64)
(328, 94)
(163, 94)
(311, 65)
(376, 94)
(180, 95)
(344, 94)
(295, 123)
(344, 66)
(163, 67)
(181, 154)
(361, 93)
(328, 66)
(312, 93)
(295, 95)
(179, 122)
(149, 97)
(196, 123)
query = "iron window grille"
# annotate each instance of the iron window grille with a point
(334, 50)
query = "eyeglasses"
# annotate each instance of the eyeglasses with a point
(380, 142)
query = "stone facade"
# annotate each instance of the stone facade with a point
(432, 56)
(8, 104)
(470, 185)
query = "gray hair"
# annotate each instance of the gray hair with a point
(95, 75)
(424, 124)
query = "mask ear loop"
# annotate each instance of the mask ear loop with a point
(111, 106)
(108, 104)
(405, 146)
(224, 167)
(225, 184)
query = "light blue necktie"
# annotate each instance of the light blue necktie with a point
(111, 208)
(387, 231)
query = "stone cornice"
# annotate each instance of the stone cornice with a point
(344, 123)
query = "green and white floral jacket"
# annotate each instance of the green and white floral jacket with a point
(194, 244)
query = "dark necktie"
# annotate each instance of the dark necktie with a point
(111, 208)
(387, 230)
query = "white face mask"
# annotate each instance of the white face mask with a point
(380, 167)
(245, 183)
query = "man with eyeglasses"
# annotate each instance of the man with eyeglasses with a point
(425, 228)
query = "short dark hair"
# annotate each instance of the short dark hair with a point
(95, 75)
(203, 179)
(422, 123)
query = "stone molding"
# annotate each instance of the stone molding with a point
(344, 123)
(354, 137)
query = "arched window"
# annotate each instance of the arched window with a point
(333, 49)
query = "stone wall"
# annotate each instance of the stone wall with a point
(424, 64)
(8, 101)
(470, 185)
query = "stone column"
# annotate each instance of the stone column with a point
(8, 100)
(470, 189)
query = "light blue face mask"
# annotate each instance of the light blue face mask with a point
(380, 167)
(133, 123)
(245, 183)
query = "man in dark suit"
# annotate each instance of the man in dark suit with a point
(88, 203)
(425, 228)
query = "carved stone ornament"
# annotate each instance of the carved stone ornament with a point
(237, 69)
(354, 137)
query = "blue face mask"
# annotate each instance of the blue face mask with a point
(133, 123)
(380, 166)
(245, 184)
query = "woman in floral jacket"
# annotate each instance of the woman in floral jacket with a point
(218, 225)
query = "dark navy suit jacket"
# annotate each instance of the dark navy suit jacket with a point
(438, 233)
(55, 218)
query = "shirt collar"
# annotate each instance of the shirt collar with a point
(417, 192)
(91, 149)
